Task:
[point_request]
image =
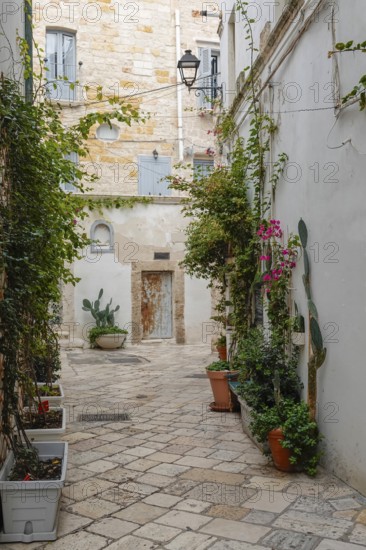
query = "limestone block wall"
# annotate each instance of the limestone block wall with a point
(129, 50)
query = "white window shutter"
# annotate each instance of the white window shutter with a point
(204, 78)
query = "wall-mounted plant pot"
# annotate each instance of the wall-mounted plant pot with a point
(30, 508)
(48, 434)
(54, 400)
(110, 341)
(298, 338)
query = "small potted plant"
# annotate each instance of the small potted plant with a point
(298, 329)
(221, 347)
(106, 334)
(292, 436)
(220, 374)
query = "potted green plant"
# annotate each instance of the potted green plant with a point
(221, 347)
(298, 328)
(292, 436)
(106, 334)
(220, 374)
(259, 357)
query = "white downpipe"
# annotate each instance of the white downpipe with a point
(179, 90)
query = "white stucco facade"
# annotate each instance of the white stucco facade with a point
(323, 183)
(139, 233)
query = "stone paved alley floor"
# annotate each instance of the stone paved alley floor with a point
(176, 475)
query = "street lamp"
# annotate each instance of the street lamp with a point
(188, 68)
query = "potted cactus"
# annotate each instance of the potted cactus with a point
(106, 334)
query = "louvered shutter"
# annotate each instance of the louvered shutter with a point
(151, 175)
(204, 78)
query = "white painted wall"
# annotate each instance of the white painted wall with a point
(325, 185)
(11, 24)
(114, 278)
(138, 232)
(197, 312)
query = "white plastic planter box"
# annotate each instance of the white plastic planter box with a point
(30, 508)
(54, 400)
(48, 434)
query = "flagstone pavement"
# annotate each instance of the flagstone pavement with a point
(175, 475)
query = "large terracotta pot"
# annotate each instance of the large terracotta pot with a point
(219, 381)
(280, 455)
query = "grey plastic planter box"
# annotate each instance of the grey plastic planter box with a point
(48, 434)
(30, 508)
(56, 400)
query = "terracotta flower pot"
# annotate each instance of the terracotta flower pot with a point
(280, 455)
(219, 381)
(222, 351)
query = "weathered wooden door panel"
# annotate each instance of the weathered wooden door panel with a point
(156, 304)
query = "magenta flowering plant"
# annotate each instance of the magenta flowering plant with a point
(280, 259)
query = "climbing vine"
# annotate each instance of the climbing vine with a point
(100, 203)
(359, 90)
(41, 230)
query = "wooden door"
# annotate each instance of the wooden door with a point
(156, 304)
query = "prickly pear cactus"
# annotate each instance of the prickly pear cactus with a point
(103, 318)
(319, 353)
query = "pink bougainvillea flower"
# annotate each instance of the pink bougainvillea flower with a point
(266, 258)
(267, 277)
(285, 252)
(292, 264)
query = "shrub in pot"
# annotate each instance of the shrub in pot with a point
(221, 347)
(292, 436)
(258, 359)
(298, 328)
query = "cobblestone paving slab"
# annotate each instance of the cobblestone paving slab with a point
(178, 476)
(287, 540)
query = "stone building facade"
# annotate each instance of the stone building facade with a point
(130, 50)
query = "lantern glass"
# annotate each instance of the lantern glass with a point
(188, 67)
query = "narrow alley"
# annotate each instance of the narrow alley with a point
(175, 475)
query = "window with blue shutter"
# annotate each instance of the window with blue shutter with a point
(60, 64)
(152, 174)
(69, 185)
(202, 167)
(208, 77)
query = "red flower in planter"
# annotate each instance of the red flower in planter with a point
(43, 407)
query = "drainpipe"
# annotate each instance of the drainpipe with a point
(179, 91)
(28, 84)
